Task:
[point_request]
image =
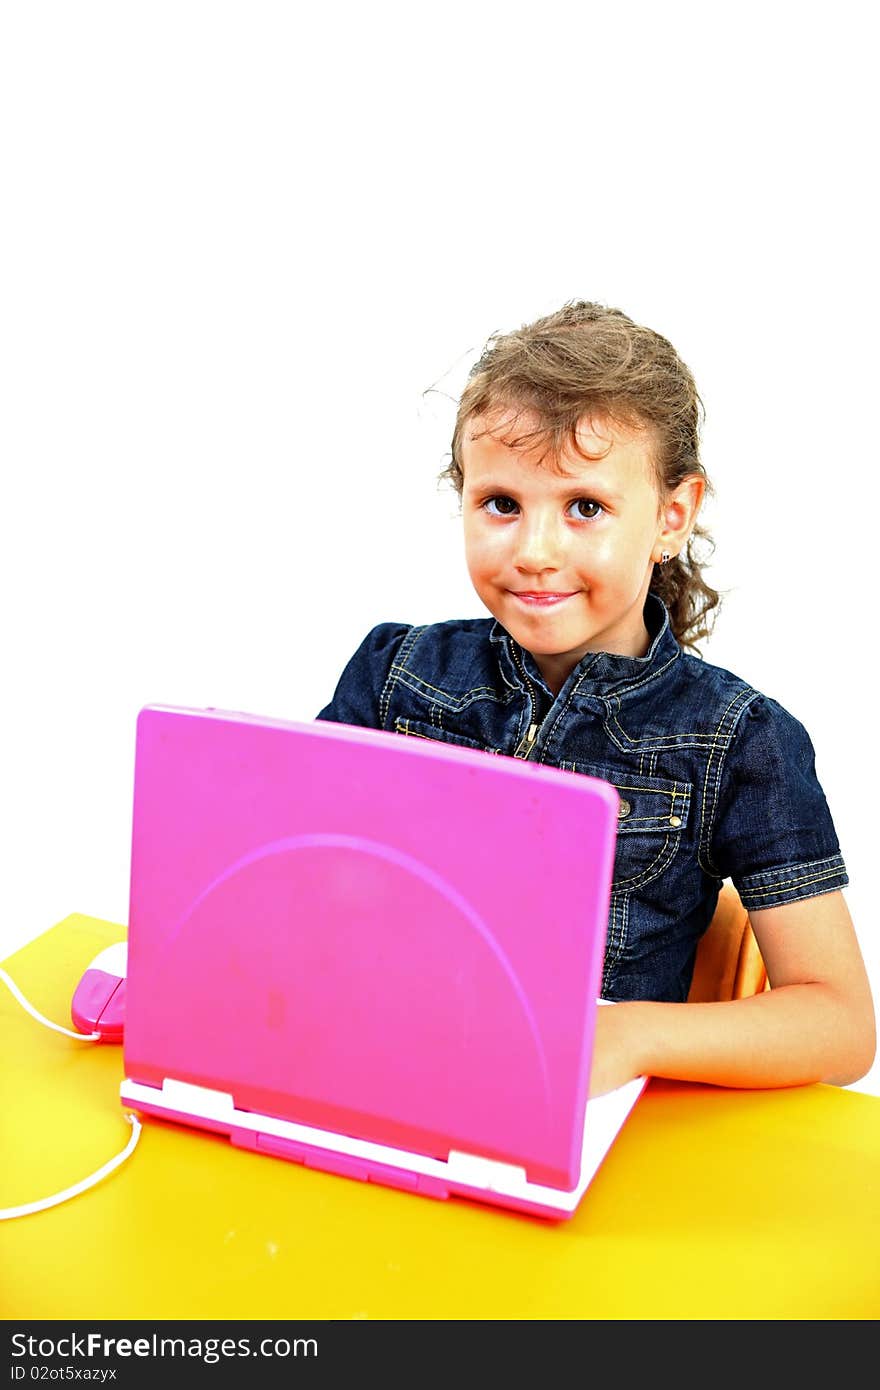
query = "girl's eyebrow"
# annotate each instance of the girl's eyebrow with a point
(568, 487)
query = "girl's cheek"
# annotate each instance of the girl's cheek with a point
(612, 557)
(491, 548)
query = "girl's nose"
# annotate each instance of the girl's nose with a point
(539, 544)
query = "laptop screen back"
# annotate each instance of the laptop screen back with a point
(390, 938)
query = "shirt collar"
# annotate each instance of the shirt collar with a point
(599, 673)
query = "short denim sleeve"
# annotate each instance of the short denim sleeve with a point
(358, 695)
(772, 831)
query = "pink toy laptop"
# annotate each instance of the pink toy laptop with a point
(370, 954)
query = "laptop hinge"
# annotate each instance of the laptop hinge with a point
(485, 1173)
(202, 1100)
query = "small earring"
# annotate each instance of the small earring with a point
(665, 557)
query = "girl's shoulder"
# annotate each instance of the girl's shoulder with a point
(424, 651)
(405, 638)
(454, 650)
(697, 668)
(760, 720)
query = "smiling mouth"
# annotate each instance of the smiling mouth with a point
(539, 599)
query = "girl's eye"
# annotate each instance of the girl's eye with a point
(500, 506)
(585, 509)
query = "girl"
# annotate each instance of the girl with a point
(576, 458)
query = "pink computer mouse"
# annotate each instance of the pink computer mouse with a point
(98, 1004)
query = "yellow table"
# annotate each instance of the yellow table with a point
(712, 1204)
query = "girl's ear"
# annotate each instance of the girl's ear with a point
(678, 514)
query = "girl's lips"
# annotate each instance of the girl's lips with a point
(541, 600)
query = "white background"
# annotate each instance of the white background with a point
(239, 244)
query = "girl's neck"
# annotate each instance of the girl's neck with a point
(557, 669)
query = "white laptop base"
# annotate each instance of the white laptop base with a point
(358, 1158)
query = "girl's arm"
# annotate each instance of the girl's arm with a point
(815, 1023)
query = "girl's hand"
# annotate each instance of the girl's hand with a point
(615, 1048)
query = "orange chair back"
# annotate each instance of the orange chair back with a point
(729, 963)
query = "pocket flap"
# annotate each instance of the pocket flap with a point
(415, 728)
(646, 803)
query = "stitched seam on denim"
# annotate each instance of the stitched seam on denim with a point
(391, 679)
(757, 880)
(450, 700)
(768, 889)
(402, 727)
(777, 888)
(561, 715)
(657, 742)
(416, 683)
(683, 796)
(772, 888)
(511, 685)
(655, 791)
(648, 676)
(445, 695)
(622, 933)
(659, 820)
(657, 866)
(709, 805)
(453, 704)
(812, 892)
(405, 727)
(618, 923)
(662, 743)
(505, 656)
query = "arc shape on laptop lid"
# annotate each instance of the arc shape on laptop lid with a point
(392, 991)
(342, 847)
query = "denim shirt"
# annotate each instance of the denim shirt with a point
(715, 779)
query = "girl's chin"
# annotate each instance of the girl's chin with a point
(554, 646)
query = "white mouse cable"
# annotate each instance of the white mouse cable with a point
(28, 1208)
(47, 1022)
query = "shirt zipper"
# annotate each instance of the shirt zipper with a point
(526, 744)
(524, 747)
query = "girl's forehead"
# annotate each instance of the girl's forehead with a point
(517, 437)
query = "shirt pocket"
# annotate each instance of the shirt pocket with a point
(651, 820)
(414, 728)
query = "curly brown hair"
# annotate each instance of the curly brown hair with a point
(590, 360)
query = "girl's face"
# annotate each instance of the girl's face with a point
(564, 560)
